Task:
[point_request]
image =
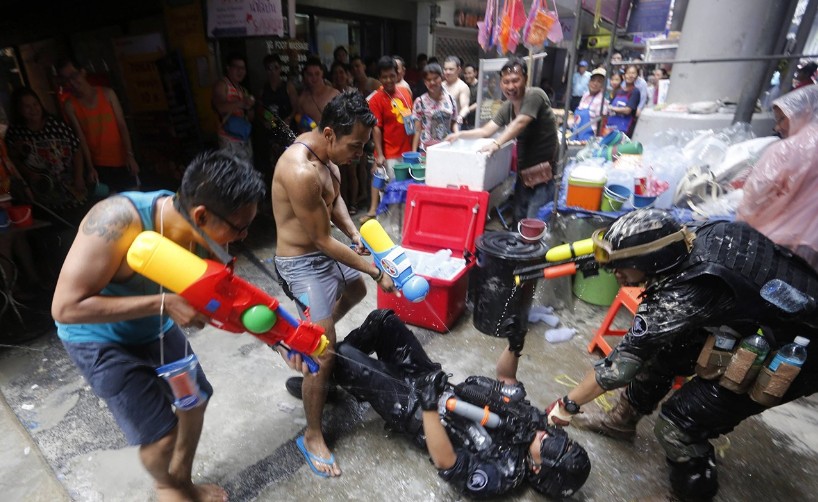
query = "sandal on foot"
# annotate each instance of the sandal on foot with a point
(311, 458)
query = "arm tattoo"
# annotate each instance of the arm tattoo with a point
(109, 219)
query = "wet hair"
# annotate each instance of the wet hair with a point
(270, 59)
(344, 111)
(221, 181)
(386, 63)
(313, 61)
(453, 59)
(17, 96)
(432, 68)
(511, 63)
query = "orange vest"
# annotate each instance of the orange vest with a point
(101, 132)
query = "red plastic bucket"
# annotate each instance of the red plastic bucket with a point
(20, 216)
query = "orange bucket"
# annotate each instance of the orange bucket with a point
(585, 185)
(20, 216)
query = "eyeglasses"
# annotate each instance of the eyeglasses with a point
(233, 226)
(512, 69)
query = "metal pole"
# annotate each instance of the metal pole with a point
(291, 18)
(608, 58)
(800, 40)
(572, 57)
(753, 86)
(781, 43)
(717, 60)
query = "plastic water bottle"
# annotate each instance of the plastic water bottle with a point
(479, 436)
(726, 338)
(758, 345)
(559, 335)
(786, 297)
(738, 377)
(794, 354)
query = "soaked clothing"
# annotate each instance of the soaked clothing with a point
(714, 286)
(119, 359)
(125, 377)
(135, 331)
(315, 280)
(388, 384)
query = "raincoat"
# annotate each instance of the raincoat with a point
(780, 194)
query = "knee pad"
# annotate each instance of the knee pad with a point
(679, 446)
(616, 370)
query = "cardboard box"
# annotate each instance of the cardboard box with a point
(458, 164)
(439, 218)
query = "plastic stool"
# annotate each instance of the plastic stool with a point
(628, 298)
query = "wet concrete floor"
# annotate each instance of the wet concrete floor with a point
(60, 443)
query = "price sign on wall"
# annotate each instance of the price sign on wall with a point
(244, 18)
(293, 55)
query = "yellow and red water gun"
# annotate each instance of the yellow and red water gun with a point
(231, 303)
(559, 261)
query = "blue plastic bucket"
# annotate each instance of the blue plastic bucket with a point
(380, 179)
(640, 201)
(411, 157)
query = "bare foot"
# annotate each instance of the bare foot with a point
(319, 448)
(196, 493)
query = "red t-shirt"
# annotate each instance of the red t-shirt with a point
(390, 112)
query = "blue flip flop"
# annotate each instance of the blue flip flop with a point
(310, 458)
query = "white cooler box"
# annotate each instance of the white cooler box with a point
(458, 164)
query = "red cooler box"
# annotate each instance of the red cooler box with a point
(435, 219)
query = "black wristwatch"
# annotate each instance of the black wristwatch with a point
(570, 406)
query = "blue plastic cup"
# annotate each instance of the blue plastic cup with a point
(181, 377)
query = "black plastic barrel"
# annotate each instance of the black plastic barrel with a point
(491, 283)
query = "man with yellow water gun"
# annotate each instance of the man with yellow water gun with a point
(118, 326)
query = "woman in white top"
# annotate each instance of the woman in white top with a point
(457, 88)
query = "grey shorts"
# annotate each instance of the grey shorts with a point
(125, 377)
(316, 280)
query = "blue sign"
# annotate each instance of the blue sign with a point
(649, 15)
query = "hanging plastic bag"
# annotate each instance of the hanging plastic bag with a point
(485, 27)
(512, 21)
(555, 33)
(538, 25)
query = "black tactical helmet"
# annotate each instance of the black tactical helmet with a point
(565, 466)
(650, 240)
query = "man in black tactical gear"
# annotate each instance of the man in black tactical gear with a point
(697, 278)
(411, 393)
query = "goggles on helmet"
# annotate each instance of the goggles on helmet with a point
(605, 254)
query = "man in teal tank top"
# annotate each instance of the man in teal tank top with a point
(108, 317)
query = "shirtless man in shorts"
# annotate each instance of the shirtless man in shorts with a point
(317, 93)
(315, 268)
